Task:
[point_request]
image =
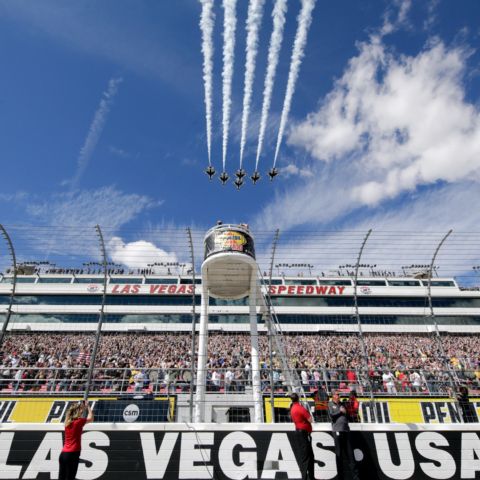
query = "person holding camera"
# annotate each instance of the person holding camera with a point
(78, 415)
(341, 434)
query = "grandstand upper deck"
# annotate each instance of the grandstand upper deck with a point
(57, 280)
(70, 301)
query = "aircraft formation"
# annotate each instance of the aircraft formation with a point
(254, 23)
(239, 176)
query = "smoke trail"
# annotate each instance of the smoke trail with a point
(95, 129)
(229, 25)
(254, 20)
(278, 14)
(207, 21)
(304, 21)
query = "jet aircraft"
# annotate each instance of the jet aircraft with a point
(224, 177)
(210, 171)
(273, 173)
(240, 174)
(238, 183)
(255, 177)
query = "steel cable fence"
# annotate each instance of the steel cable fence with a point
(387, 322)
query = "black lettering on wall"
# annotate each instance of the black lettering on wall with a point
(6, 409)
(428, 412)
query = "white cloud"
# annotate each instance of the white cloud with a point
(399, 10)
(60, 226)
(106, 206)
(139, 254)
(119, 152)
(292, 170)
(16, 197)
(431, 14)
(402, 235)
(95, 129)
(403, 120)
(391, 124)
(440, 209)
(317, 200)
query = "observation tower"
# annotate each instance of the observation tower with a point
(229, 271)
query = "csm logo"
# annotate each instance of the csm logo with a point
(92, 288)
(131, 413)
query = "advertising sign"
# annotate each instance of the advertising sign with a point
(220, 241)
(241, 454)
(105, 409)
(433, 410)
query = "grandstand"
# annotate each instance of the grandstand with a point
(386, 324)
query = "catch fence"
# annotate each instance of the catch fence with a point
(95, 311)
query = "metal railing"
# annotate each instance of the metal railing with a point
(380, 382)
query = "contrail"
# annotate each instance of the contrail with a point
(96, 128)
(207, 21)
(254, 20)
(304, 21)
(278, 14)
(229, 25)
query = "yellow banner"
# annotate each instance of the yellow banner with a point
(391, 410)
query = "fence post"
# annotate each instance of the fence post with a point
(359, 323)
(452, 375)
(101, 313)
(194, 321)
(270, 332)
(7, 238)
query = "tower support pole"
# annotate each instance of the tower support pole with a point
(257, 392)
(202, 357)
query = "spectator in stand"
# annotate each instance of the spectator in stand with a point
(389, 382)
(229, 380)
(415, 381)
(351, 378)
(139, 379)
(335, 359)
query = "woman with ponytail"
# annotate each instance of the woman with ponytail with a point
(78, 415)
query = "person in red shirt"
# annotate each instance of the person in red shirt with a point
(352, 406)
(78, 415)
(303, 428)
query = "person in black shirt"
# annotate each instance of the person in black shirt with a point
(341, 436)
(467, 409)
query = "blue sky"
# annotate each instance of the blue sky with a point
(102, 117)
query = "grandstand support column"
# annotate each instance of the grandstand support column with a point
(359, 323)
(452, 375)
(202, 356)
(11, 250)
(257, 392)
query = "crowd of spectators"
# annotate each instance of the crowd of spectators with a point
(400, 363)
